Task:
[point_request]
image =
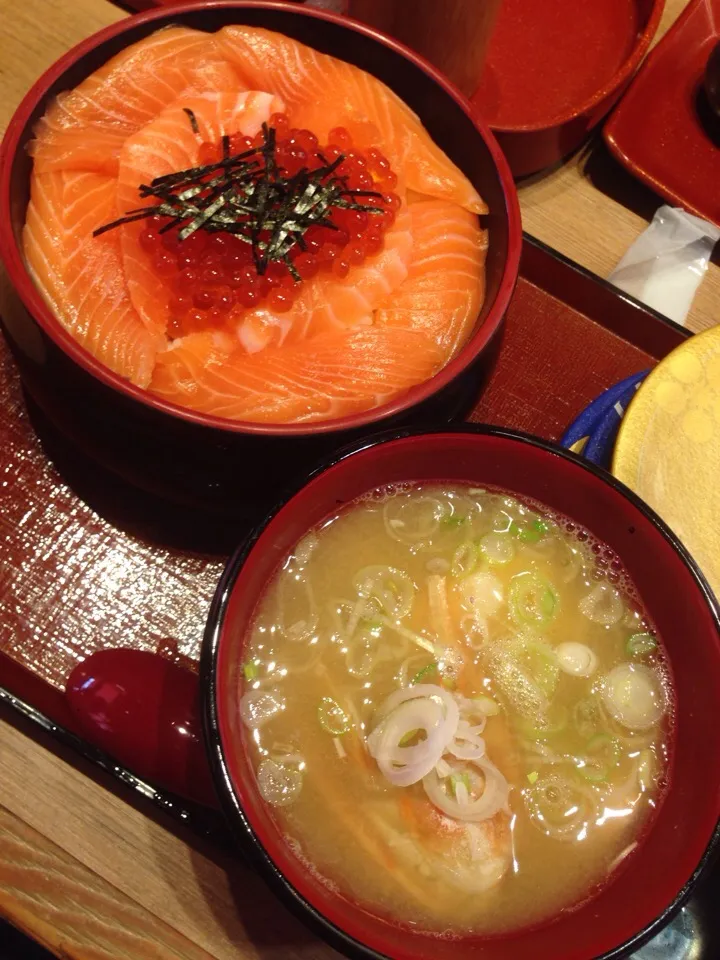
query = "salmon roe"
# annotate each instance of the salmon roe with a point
(214, 277)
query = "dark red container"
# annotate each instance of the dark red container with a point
(655, 879)
(554, 70)
(224, 466)
(666, 131)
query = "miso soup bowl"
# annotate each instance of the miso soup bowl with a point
(651, 883)
(189, 457)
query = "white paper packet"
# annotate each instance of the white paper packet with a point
(665, 265)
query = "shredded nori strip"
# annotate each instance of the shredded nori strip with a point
(249, 196)
(193, 120)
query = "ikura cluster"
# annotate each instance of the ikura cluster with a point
(215, 274)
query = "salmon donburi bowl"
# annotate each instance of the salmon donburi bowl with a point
(253, 220)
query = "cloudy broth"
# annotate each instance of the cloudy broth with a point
(456, 707)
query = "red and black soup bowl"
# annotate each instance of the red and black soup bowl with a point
(202, 460)
(643, 894)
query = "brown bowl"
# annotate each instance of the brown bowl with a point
(207, 461)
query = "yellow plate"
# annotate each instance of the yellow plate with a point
(668, 447)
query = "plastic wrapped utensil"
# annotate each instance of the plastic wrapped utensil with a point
(665, 265)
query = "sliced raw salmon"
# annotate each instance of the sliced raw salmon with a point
(339, 304)
(328, 304)
(322, 92)
(165, 145)
(85, 128)
(82, 277)
(335, 375)
(445, 286)
(263, 327)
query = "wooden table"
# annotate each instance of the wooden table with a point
(82, 870)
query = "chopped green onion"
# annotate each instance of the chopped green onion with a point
(457, 778)
(532, 777)
(593, 770)
(554, 724)
(536, 666)
(640, 644)
(587, 717)
(372, 625)
(645, 769)
(603, 755)
(453, 521)
(531, 533)
(424, 673)
(488, 706)
(408, 738)
(332, 717)
(606, 744)
(497, 547)
(533, 599)
(465, 559)
(250, 669)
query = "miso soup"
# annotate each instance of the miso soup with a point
(457, 708)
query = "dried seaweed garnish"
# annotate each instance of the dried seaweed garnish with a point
(193, 120)
(249, 196)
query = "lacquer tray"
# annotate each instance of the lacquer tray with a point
(73, 581)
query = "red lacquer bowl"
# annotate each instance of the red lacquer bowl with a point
(554, 70)
(204, 460)
(655, 880)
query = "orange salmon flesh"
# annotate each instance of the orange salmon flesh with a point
(347, 344)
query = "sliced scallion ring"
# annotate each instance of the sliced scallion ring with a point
(250, 669)
(602, 755)
(332, 717)
(588, 717)
(497, 547)
(556, 721)
(422, 675)
(533, 600)
(641, 644)
(465, 559)
(531, 532)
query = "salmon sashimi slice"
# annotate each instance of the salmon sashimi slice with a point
(166, 145)
(336, 375)
(263, 327)
(338, 304)
(328, 304)
(85, 128)
(322, 92)
(82, 276)
(445, 287)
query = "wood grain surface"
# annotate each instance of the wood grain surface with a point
(89, 875)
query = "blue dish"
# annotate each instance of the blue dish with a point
(592, 433)
(600, 444)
